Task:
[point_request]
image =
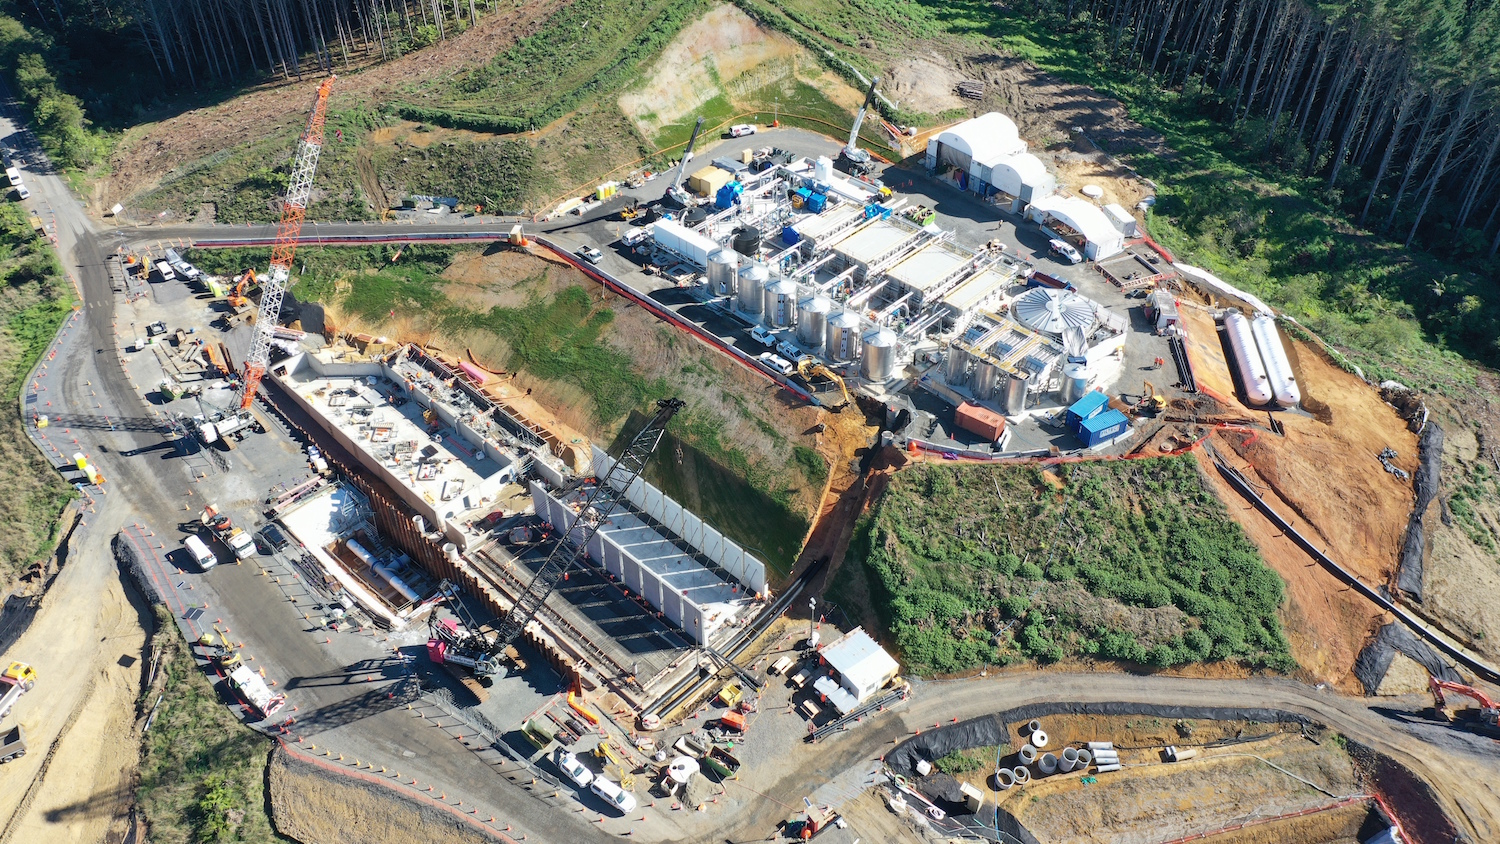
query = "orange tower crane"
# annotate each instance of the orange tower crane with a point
(273, 286)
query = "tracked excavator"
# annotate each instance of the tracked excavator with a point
(676, 194)
(852, 159)
(1489, 711)
(810, 369)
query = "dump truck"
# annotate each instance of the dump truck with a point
(12, 744)
(16, 681)
(256, 693)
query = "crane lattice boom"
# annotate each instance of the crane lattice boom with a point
(273, 287)
(600, 504)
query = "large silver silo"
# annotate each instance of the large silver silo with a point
(780, 303)
(812, 321)
(722, 267)
(753, 279)
(986, 380)
(1075, 381)
(878, 361)
(843, 337)
(1014, 400)
(956, 366)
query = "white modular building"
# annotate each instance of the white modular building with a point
(862, 665)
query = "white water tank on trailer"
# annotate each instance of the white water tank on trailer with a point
(1278, 365)
(1247, 360)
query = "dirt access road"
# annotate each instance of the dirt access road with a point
(1463, 769)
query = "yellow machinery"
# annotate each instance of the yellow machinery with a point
(221, 652)
(809, 368)
(16, 681)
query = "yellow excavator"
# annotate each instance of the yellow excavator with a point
(809, 368)
(221, 652)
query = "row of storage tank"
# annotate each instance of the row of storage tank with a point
(1261, 360)
(989, 381)
(817, 328)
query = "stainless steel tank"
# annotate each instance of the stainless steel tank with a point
(843, 337)
(1014, 401)
(986, 380)
(722, 266)
(878, 361)
(1075, 381)
(812, 321)
(780, 303)
(956, 366)
(753, 279)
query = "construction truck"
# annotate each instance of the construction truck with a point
(230, 429)
(16, 681)
(810, 369)
(236, 539)
(852, 159)
(1489, 711)
(12, 744)
(255, 692)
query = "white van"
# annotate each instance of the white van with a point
(618, 798)
(200, 553)
(164, 270)
(22, 192)
(13, 175)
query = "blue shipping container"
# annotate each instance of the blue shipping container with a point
(1102, 427)
(1091, 404)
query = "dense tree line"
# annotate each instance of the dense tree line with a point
(1395, 103)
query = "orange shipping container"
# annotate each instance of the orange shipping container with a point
(733, 721)
(980, 420)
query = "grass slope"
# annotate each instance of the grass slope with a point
(1126, 560)
(202, 777)
(34, 301)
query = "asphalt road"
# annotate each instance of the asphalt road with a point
(1463, 768)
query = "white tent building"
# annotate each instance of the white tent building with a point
(1081, 223)
(986, 155)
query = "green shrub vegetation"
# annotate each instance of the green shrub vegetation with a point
(583, 52)
(967, 761)
(812, 463)
(202, 775)
(34, 301)
(30, 60)
(1128, 560)
(499, 176)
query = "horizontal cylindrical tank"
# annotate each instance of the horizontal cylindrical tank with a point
(956, 366)
(1021, 775)
(1004, 779)
(753, 278)
(843, 341)
(779, 303)
(723, 266)
(1075, 382)
(1247, 361)
(985, 380)
(1027, 754)
(1068, 760)
(878, 361)
(1047, 764)
(1278, 365)
(1015, 394)
(812, 321)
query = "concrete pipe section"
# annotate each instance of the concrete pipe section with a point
(1038, 739)
(1021, 774)
(1085, 758)
(1068, 761)
(1004, 779)
(1027, 754)
(1034, 726)
(1047, 765)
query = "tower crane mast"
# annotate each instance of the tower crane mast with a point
(273, 286)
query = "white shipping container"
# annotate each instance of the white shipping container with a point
(675, 237)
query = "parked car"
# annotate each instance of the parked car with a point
(776, 362)
(572, 768)
(618, 798)
(22, 192)
(1064, 251)
(740, 130)
(763, 336)
(270, 539)
(789, 350)
(13, 176)
(589, 253)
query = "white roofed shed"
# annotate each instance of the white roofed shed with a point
(1080, 218)
(862, 665)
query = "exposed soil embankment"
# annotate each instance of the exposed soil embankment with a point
(314, 805)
